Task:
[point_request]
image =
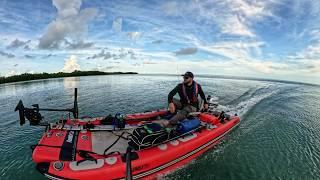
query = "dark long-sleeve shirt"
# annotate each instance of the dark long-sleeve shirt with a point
(190, 93)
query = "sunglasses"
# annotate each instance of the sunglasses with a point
(186, 77)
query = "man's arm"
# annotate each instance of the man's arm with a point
(172, 93)
(203, 97)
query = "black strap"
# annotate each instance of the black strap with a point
(69, 146)
(107, 149)
(86, 157)
(121, 136)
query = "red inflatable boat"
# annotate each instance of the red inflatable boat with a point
(88, 148)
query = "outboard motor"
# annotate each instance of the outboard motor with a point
(213, 101)
(213, 105)
(217, 110)
(32, 114)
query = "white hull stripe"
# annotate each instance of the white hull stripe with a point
(138, 176)
(52, 177)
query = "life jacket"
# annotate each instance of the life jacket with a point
(195, 93)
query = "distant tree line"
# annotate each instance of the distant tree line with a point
(28, 76)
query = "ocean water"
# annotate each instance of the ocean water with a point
(278, 137)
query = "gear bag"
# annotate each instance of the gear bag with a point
(148, 135)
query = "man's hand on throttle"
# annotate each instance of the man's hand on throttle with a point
(172, 108)
(206, 106)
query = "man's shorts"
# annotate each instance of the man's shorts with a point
(182, 113)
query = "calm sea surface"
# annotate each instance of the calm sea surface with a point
(278, 138)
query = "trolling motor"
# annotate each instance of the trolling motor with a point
(34, 116)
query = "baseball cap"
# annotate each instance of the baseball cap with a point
(188, 74)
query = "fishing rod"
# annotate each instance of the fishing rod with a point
(34, 116)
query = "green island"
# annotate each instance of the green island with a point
(35, 76)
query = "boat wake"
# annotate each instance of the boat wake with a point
(245, 102)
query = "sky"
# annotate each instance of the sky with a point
(274, 39)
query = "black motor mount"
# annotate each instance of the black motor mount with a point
(34, 116)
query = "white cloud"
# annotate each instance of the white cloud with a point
(78, 44)
(245, 68)
(311, 52)
(307, 60)
(117, 53)
(18, 43)
(233, 17)
(171, 8)
(117, 24)
(240, 55)
(157, 55)
(315, 35)
(313, 67)
(71, 64)
(149, 62)
(231, 49)
(28, 56)
(186, 51)
(252, 9)
(234, 26)
(179, 67)
(103, 54)
(26, 47)
(157, 41)
(67, 8)
(12, 73)
(70, 22)
(134, 35)
(265, 67)
(5, 54)
(223, 31)
(240, 14)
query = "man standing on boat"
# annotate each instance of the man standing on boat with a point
(188, 92)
